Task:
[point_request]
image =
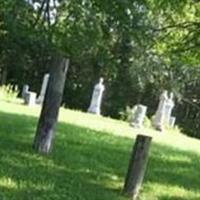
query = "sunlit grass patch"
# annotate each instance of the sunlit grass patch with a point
(90, 159)
(8, 183)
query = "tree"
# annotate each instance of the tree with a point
(50, 110)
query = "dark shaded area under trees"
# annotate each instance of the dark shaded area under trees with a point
(134, 45)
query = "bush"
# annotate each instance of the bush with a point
(126, 115)
(147, 122)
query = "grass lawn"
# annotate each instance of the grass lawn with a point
(90, 159)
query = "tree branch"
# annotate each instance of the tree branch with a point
(39, 13)
(183, 25)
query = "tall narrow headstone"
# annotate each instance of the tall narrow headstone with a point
(159, 118)
(40, 99)
(95, 104)
(168, 108)
(138, 117)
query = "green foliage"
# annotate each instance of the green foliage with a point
(90, 161)
(126, 115)
(9, 93)
(147, 122)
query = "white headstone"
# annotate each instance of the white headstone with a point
(172, 121)
(168, 108)
(40, 99)
(95, 104)
(25, 91)
(30, 98)
(159, 118)
(139, 114)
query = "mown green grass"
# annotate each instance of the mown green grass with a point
(90, 159)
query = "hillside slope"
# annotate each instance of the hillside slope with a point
(90, 159)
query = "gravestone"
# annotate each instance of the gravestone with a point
(95, 104)
(139, 113)
(30, 98)
(172, 121)
(168, 108)
(25, 91)
(159, 119)
(40, 99)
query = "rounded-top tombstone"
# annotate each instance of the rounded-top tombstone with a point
(139, 113)
(25, 90)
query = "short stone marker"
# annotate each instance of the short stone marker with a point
(30, 98)
(95, 104)
(139, 113)
(137, 166)
(41, 96)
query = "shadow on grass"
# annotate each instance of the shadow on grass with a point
(85, 164)
(176, 197)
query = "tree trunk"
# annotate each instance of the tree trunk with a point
(137, 166)
(50, 110)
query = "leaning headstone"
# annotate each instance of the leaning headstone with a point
(30, 98)
(172, 121)
(40, 99)
(95, 104)
(25, 91)
(168, 108)
(139, 113)
(159, 118)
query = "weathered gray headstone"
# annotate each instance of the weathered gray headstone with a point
(139, 113)
(25, 90)
(40, 99)
(30, 98)
(159, 118)
(95, 104)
